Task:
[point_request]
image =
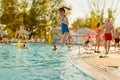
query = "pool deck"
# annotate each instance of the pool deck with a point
(97, 73)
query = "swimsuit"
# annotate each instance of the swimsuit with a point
(117, 40)
(64, 26)
(108, 36)
(99, 32)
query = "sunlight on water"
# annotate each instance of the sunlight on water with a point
(37, 63)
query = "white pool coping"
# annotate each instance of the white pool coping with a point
(98, 74)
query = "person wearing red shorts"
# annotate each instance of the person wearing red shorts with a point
(108, 36)
(108, 32)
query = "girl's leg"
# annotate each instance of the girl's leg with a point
(95, 45)
(98, 44)
(65, 36)
(118, 44)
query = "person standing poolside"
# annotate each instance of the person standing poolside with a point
(98, 37)
(108, 32)
(117, 38)
(64, 24)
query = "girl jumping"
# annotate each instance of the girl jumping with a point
(64, 24)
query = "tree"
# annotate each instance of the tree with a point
(99, 7)
(10, 14)
(37, 17)
(42, 16)
(36, 20)
(97, 10)
(53, 7)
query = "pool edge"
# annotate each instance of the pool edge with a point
(98, 74)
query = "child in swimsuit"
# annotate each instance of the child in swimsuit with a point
(64, 24)
(117, 38)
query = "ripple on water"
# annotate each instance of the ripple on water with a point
(37, 63)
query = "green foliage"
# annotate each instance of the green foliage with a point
(80, 23)
(110, 15)
(10, 14)
(118, 28)
(97, 8)
(37, 17)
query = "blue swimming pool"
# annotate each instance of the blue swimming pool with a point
(37, 63)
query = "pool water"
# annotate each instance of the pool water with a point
(37, 63)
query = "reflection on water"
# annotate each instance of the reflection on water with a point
(37, 63)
